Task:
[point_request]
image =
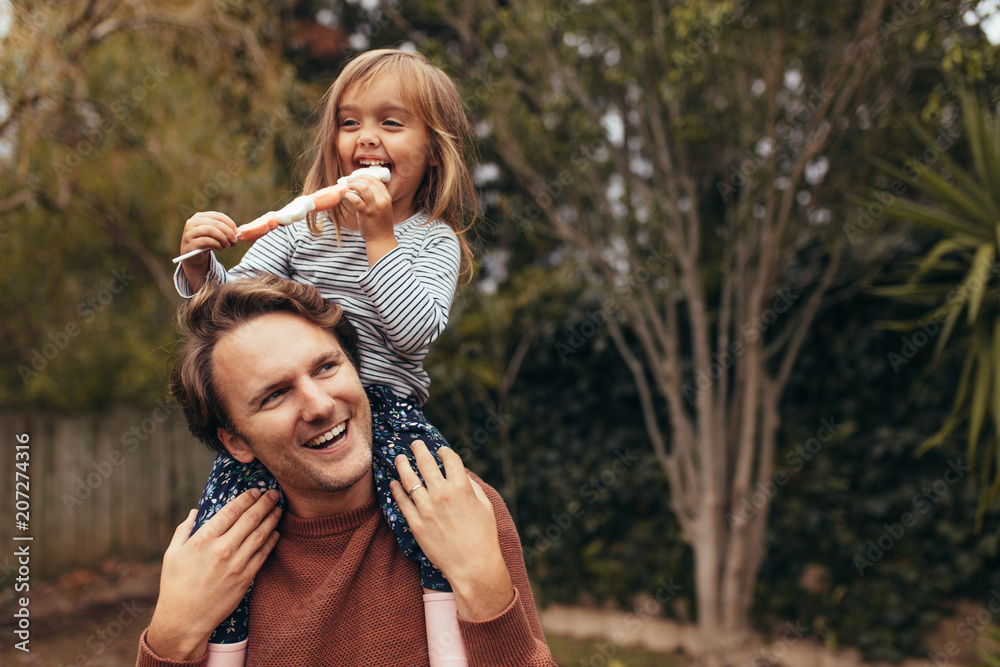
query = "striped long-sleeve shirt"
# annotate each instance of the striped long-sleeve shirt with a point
(399, 306)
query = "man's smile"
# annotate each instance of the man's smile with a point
(330, 439)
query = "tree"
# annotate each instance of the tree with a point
(118, 121)
(689, 155)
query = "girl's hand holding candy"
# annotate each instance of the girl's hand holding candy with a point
(211, 230)
(372, 206)
(208, 230)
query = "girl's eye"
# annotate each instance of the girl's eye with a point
(393, 123)
(348, 123)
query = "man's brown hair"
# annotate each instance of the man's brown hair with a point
(218, 309)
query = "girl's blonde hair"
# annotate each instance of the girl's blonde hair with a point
(447, 191)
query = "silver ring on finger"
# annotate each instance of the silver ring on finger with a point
(416, 486)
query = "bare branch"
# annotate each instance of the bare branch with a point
(808, 314)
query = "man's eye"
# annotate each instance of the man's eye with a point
(273, 396)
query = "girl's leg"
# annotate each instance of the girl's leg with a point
(228, 479)
(396, 424)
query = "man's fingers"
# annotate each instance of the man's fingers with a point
(256, 515)
(407, 477)
(427, 465)
(261, 539)
(408, 491)
(182, 531)
(230, 514)
(454, 469)
(404, 502)
(257, 559)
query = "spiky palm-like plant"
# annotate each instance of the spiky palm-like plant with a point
(958, 275)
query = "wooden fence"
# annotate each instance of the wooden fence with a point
(112, 485)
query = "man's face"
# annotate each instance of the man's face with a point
(297, 406)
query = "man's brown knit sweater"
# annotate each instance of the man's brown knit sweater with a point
(338, 591)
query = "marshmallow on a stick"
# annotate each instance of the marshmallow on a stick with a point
(298, 209)
(329, 197)
(252, 231)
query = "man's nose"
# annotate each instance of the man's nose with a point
(317, 403)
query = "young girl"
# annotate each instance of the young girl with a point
(390, 254)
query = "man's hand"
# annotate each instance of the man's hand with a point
(453, 521)
(205, 575)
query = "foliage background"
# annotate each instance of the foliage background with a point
(110, 138)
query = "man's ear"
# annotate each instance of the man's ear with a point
(235, 446)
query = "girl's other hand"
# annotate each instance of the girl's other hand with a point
(372, 205)
(208, 230)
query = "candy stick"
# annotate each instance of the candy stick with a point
(187, 255)
(297, 209)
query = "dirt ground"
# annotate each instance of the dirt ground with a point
(88, 617)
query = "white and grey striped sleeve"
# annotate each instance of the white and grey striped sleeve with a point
(272, 253)
(216, 274)
(413, 291)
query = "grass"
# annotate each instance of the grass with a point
(569, 652)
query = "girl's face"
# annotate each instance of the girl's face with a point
(374, 128)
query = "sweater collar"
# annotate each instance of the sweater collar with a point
(328, 525)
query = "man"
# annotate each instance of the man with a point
(270, 370)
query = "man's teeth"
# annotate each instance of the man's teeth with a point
(316, 443)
